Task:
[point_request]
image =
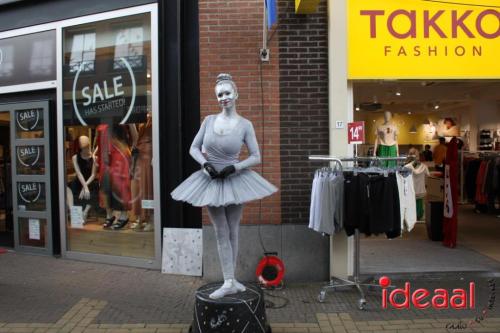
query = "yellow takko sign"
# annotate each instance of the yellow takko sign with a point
(423, 39)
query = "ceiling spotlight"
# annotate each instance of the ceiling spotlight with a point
(398, 92)
(409, 112)
(436, 106)
(357, 108)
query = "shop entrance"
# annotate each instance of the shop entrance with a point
(25, 177)
(6, 218)
(422, 112)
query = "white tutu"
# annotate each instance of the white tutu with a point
(200, 189)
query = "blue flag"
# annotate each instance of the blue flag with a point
(272, 13)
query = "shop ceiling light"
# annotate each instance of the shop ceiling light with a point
(436, 106)
(398, 92)
(357, 108)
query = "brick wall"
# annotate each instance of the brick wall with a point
(230, 40)
(303, 62)
(295, 99)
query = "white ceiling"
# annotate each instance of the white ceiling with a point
(421, 96)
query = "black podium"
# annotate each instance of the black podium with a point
(238, 313)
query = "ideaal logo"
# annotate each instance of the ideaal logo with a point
(459, 298)
(29, 192)
(105, 98)
(439, 299)
(28, 156)
(28, 120)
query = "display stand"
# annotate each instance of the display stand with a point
(337, 282)
(241, 312)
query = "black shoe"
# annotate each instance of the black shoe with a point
(109, 222)
(120, 224)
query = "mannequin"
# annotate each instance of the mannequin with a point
(114, 173)
(224, 183)
(83, 186)
(386, 143)
(142, 176)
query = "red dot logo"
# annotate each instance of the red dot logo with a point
(384, 282)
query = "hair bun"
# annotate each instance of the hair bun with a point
(223, 77)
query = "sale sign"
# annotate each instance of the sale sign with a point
(356, 132)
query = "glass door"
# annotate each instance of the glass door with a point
(31, 176)
(6, 218)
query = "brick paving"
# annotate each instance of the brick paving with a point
(43, 294)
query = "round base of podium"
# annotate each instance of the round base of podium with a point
(243, 312)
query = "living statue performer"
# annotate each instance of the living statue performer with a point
(224, 183)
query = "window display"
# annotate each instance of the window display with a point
(108, 131)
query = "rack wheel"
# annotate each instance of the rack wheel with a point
(362, 304)
(321, 296)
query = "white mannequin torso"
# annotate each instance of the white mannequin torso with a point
(387, 134)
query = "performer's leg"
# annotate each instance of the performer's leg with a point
(218, 217)
(233, 216)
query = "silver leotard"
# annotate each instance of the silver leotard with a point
(222, 150)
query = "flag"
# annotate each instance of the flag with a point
(272, 13)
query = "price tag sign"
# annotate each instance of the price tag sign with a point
(356, 132)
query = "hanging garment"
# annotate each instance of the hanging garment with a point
(371, 204)
(481, 197)
(114, 168)
(420, 171)
(450, 224)
(327, 201)
(384, 212)
(356, 202)
(420, 209)
(407, 200)
(471, 178)
(142, 174)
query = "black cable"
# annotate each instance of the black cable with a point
(272, 305)
(272, 34)
(262, 157)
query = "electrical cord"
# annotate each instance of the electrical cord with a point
(263, 145)
(273, 305)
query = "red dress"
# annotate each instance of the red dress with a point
(450, 224)
(113, 158)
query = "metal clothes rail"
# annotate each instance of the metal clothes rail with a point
(336, 282)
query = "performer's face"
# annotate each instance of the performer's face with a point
(225, 95)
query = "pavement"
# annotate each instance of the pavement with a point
(45, 294)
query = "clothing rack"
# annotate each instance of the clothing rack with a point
(479, 153)
(336, 282)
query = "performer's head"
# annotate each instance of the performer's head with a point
(226, 91)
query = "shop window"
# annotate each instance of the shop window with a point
(129, 46)
(6, 61)
(82, 52)
(108, 137)
(42, 58)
